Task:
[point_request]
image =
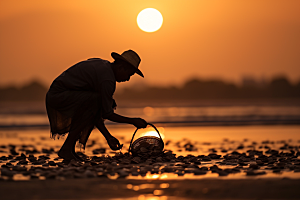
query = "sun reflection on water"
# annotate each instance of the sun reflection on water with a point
(147, 197)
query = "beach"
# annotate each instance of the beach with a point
(219, 162)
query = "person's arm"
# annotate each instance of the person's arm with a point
(137, 122)
(113, 142)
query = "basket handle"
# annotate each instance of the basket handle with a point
(138, 129)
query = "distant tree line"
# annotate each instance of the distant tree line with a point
(279, 87)
(34, 91)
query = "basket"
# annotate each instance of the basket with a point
(147, 145)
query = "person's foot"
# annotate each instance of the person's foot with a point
(77, 156)
(83, 157)
(66, 155)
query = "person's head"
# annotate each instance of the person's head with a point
(126, 65)
(122, 70)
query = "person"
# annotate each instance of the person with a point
(81, 98)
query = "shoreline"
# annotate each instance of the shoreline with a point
(206, 123)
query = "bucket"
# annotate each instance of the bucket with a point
(146, 146)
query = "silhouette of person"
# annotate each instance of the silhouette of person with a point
(82, 97)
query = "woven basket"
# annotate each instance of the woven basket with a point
(146, 145)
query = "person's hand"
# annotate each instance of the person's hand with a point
(114, 143)
(139, 123)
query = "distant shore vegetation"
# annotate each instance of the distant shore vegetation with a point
(278, 87)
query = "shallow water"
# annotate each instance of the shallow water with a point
(24, 115)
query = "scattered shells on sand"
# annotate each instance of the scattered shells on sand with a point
(258, 160)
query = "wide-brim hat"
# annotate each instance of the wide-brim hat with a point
(130, 57)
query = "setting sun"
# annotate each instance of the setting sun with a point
(149, 20)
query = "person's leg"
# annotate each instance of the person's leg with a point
(82, 121)
(67, 151)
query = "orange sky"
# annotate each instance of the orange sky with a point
(225, 39)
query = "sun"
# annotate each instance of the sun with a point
(149, 20)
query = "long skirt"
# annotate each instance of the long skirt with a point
(74, 112)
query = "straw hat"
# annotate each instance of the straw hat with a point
(131, 57)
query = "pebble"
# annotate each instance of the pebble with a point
(206, 158)
(276, 171)
(224, 151)
(51, 175)
(159, 159)
(189, 170)
(214, 156)
(222, 173)
(214, 168)
(204, 168)
(136, 160)
(7, 172)
(168, 169)
(51, 163)
(19, 168)
(9, 164)
(179, 173)
(48, 151)
(89, 174)
(135, 173)
(253, 166)
(243, 164)
(155, 171)
(199, 172)
(38, 162)
(254, 173)
(122, 173)
(259, 162)
(213, 150)
(45, 165)
(3, 158)
(79, 175)
(33, 176)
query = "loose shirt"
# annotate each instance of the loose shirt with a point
(94, 75)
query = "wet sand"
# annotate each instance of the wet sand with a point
(151, 189)
(204, 167)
